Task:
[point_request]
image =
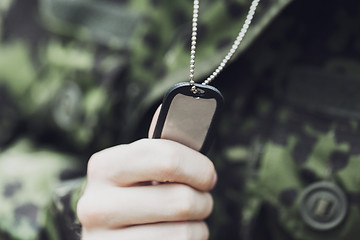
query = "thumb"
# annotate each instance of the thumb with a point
(153, 122)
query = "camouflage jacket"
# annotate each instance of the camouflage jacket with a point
(78, 76)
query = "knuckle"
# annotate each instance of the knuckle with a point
(93, 234)
(86, 235)
(102, 163)
(144, 145)
(87, 212)
(211, 173)
(95, 165)
(142, 141)
(185, 203)
(169, 165)
(205, 233)
(210, 205)
(193, 230)
(185, 231)
(212, 170)
(211, 199)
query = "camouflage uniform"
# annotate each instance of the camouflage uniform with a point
(80, 76)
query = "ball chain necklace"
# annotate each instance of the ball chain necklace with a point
(190, 111)
(233, 48)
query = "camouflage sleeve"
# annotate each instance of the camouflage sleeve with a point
(63, 222)
(28, 177)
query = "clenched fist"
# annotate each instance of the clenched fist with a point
(125, 197)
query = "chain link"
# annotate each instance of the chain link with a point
(232, 50)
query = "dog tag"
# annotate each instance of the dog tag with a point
(190, 118)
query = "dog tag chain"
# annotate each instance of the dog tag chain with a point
(190, 111)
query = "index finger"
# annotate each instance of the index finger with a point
(153, 160)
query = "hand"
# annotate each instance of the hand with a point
(120, 202)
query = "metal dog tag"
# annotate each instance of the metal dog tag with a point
(190, 118)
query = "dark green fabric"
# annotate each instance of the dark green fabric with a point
(334, 93)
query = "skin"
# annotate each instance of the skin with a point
(125, 197)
